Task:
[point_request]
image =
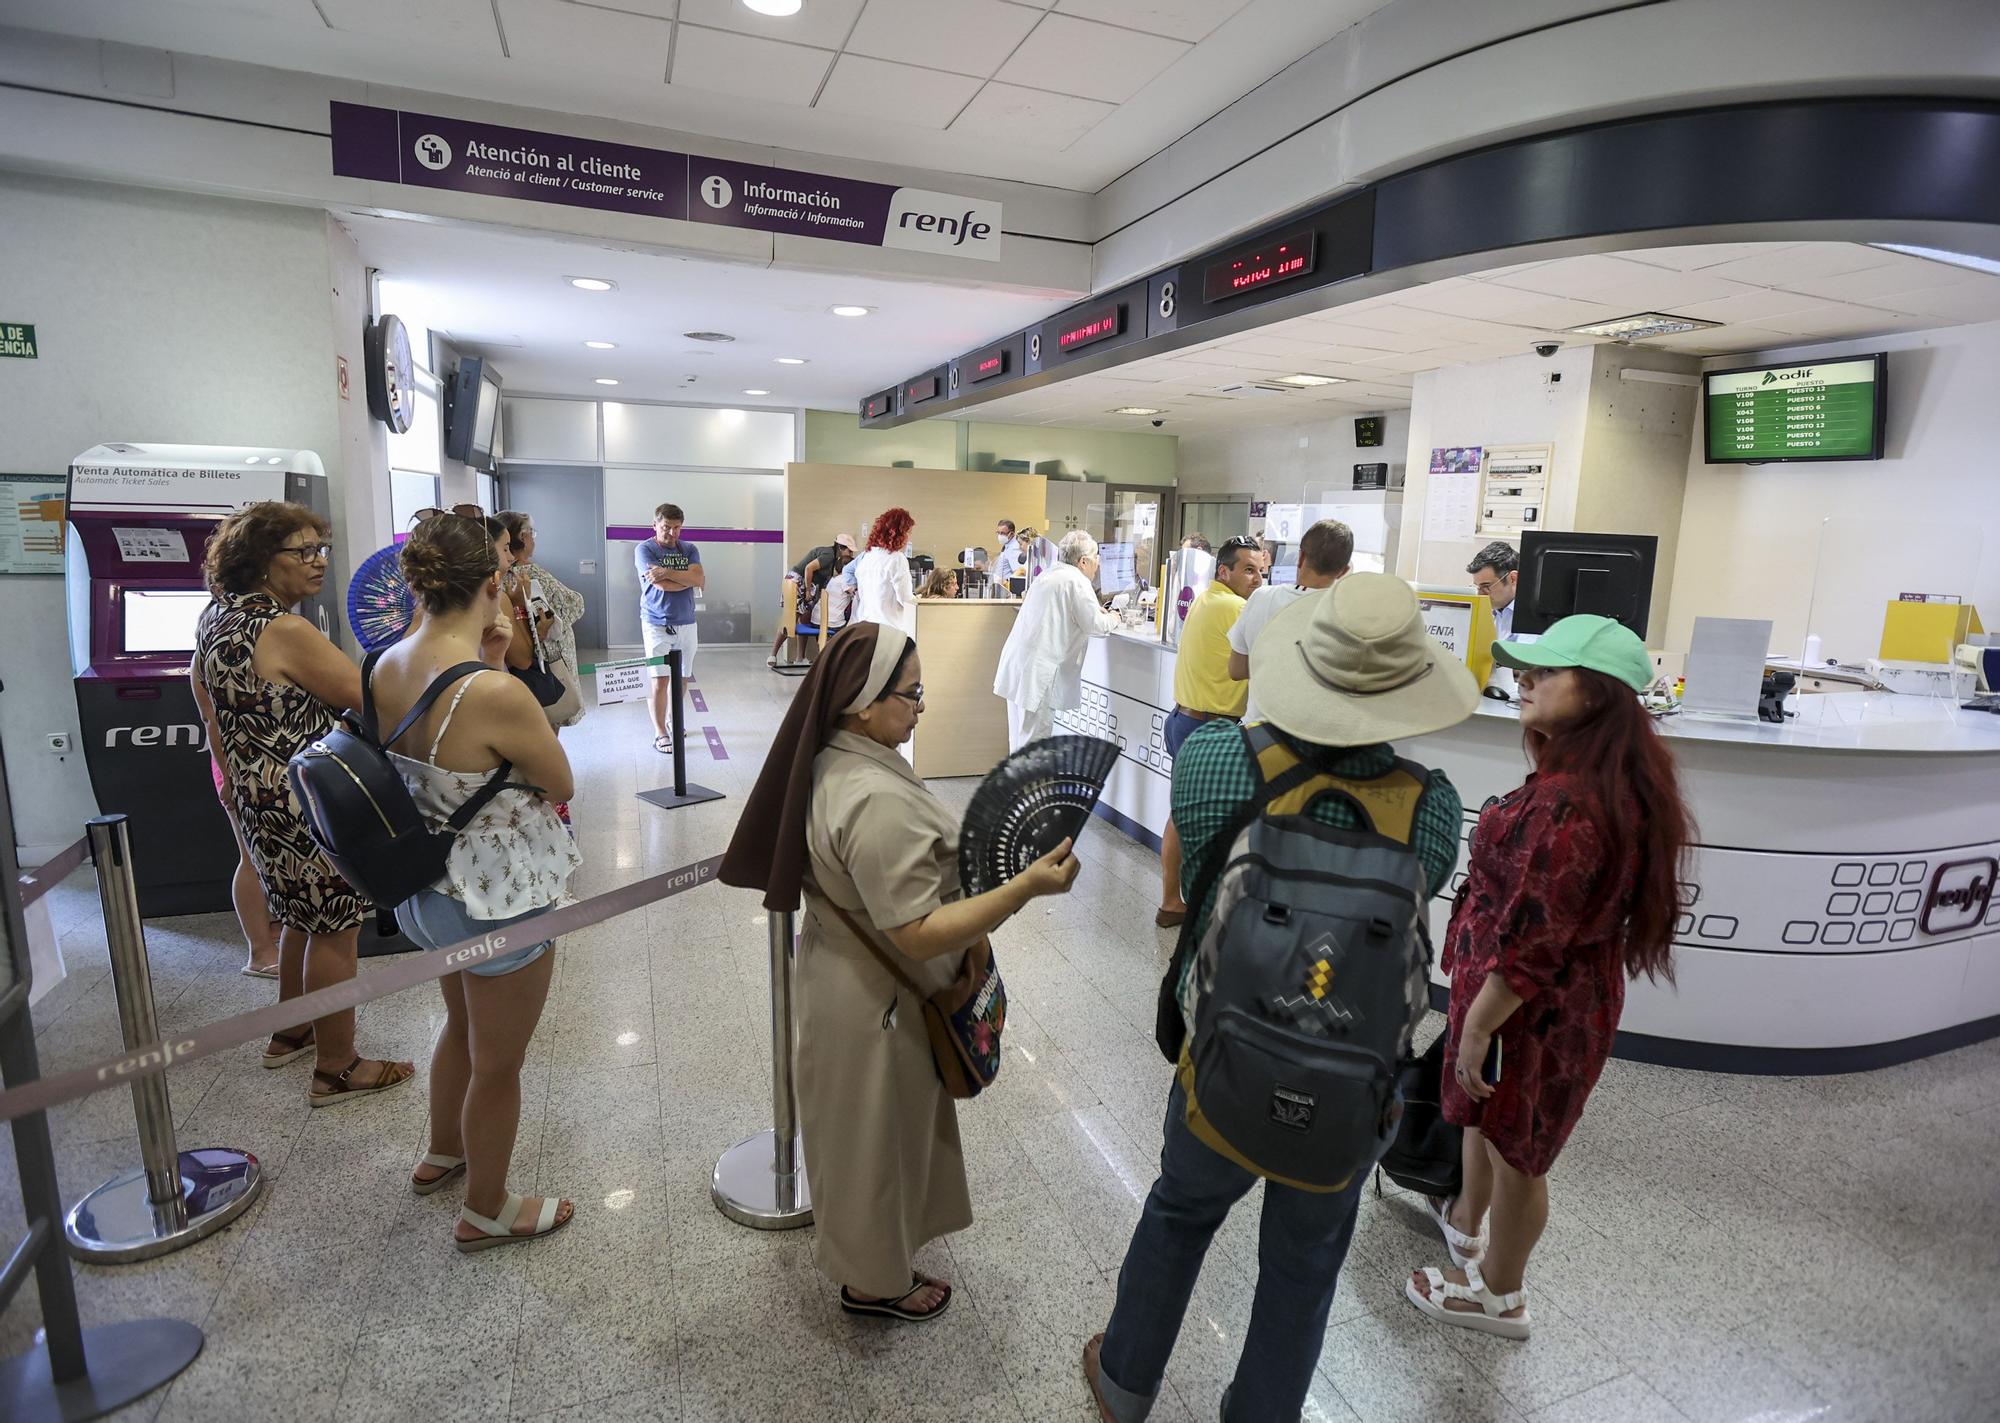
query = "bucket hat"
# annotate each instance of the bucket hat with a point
(1355, 666)
(845, 541)
(1583, 640)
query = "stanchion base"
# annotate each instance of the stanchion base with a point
(750, 1192)
(665, 798)
(118, 1223)
(122, 1362)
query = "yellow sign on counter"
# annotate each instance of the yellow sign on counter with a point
(1463, 623)
(1926, 632)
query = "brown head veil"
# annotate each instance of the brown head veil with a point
(768, 851)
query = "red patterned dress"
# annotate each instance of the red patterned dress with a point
(1542, 908)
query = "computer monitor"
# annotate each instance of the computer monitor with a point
(1562, 574)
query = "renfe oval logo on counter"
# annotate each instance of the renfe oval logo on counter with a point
(1961, 890)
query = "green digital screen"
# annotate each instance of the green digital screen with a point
(1817, 410)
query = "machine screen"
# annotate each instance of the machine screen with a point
(162, 619)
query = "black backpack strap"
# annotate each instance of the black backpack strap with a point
(368, 692)
(1167, 1026)
(431, 693)
(481, 798)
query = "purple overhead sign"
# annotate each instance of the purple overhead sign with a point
(430, 151)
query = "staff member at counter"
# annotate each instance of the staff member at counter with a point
(1041, 666)
(1203, 688)
(1495, 572)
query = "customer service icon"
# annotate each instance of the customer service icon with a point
(433, 152)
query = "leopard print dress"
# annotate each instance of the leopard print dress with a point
(263, 726)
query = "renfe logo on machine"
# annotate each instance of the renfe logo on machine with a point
(1961, 890)
(191, 734)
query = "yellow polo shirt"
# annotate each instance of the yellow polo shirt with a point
(1201, 672)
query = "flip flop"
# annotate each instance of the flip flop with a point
(852, 1303)
(252, 971)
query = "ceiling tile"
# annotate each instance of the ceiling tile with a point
(1658, 289)
(1708, 254)
(542, 36)
(1579, 277)
(1834, 318)
(1189, 20)
(901, 93)
(465, 23)
(1093, 61)
(1768, 268)
(1379, 314)
(1750, 304)
(966, 36)
(1030, 117)
(1881, 284)
(1958, 303)
(824, 23)
(725, 63)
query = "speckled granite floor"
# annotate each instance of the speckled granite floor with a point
(1722, 1249)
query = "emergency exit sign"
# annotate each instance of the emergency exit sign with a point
(16, 340)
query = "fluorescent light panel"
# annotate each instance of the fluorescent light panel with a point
(1134, 410)
(1304, 380)
(1642, 325)
(1938, 254)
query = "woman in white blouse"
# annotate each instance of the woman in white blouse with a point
(883, 592)
(511, 862)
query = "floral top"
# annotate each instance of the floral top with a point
(1543, 907)
(515, 856)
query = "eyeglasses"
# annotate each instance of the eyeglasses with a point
(914, 696)
(1241, 541)
(308, 553)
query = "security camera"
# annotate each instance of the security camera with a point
(1545, 349)
(1158, 423)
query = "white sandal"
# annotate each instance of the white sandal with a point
(1465, 1249)
(501, 1232)
(1491, 1316)
(452, 1166)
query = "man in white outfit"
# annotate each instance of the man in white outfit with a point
(1041, 667)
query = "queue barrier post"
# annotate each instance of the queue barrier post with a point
(680, 793)
(761, 1181)
(173, 1197)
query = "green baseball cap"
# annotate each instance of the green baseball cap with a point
(1585, 640)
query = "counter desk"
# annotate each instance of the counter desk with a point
(1840, 913)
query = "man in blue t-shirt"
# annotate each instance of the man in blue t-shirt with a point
(669, 572)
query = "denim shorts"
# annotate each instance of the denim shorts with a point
(432, 920)
(1180, 726)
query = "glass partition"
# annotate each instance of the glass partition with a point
(1892, 600)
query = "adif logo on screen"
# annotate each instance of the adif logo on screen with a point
(433, 152)
(956, 226)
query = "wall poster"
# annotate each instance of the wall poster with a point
(31, 523)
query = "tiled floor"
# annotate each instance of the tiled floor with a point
(1722, 1248)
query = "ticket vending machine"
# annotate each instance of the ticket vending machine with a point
(140, 518)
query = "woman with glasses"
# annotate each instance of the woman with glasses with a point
(268, 680)
(838, 814)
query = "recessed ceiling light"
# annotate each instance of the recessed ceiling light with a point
(254, 459)
(275, 459)
(1303, 380)
(602, 345)
(779, 8)
(593, 284)
(850, 310)
(707, 336)
(756, 392)
(791, 360)
(606, 380)
(1135, 410)
(1644, 324)
(1938, 254)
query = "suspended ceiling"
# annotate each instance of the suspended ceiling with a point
(1068, 93)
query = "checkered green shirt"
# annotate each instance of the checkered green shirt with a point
(1214, 776)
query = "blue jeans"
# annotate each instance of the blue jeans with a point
(1301, 1244)
(1180, 726)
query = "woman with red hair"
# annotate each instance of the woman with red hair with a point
(1573, 887)
(883, 592)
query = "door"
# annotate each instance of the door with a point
(566, 501)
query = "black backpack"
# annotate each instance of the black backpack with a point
(1424, 1157)
(359, 811)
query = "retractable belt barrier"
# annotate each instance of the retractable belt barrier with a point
(404, 972)
(39, 881)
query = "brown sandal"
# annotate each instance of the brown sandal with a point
(295, 1046)
(394, 1074)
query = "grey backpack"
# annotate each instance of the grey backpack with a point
(1310, 977)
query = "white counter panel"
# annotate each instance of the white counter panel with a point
(1128, 692)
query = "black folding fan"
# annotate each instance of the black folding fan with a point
(1029, 804)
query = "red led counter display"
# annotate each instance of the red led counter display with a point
(919, 391)
(1264, 265)
(985, 367)
(876, 406)
(1088, 330)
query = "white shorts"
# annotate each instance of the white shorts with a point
(659, 642)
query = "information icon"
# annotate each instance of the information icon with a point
(716, 192)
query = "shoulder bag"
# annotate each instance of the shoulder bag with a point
(964, 1021)
(567, 708)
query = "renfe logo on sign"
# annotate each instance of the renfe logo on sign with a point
(921, 221)
(1961, 890)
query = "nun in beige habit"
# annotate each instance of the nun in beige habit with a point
(839, 815)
